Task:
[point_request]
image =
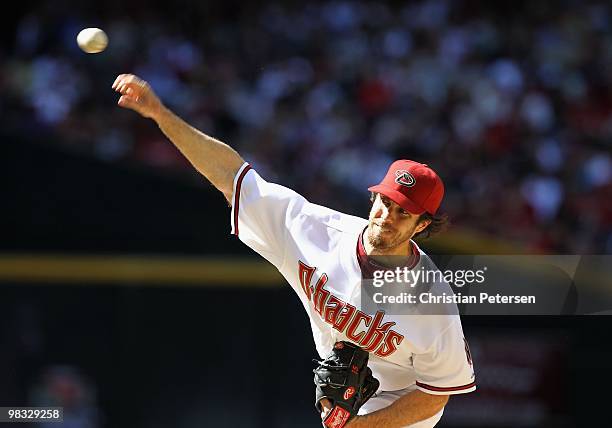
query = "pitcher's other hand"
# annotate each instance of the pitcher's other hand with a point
(137, 94)
(325, 407)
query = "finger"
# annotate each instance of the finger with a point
(324, 413)
(325, 403)
(130, 95)
(128, 102)
(122, 89)
(326, 407)
(136, 86)
(131, 78)
(122, 79)
(118, 79)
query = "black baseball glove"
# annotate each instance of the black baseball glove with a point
(345, 379)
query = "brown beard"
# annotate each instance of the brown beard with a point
(379, 243)
(376, 241)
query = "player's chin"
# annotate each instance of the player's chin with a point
(378, 241)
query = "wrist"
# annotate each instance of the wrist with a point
(160, 114)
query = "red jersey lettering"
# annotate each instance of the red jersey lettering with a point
(388, 347)
(352, 328)
(332, 308)
(375, 336)
(320, 294)
(376, 333)
(345, 315)
(305, 273)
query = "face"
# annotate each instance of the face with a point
(391, 227)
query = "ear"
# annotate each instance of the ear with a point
(422, 226)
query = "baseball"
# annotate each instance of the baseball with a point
(92, 40)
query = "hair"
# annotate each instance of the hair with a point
(437, 223)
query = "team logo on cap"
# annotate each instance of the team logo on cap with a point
(404, 178)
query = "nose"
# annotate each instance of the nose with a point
(386, 215)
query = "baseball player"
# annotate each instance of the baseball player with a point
(324, 255)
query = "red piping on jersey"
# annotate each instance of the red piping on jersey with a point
(369, 266)
(447, 389)
(237, 197)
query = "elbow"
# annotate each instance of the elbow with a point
(226, 186)
(433, 403)
(439, 403)
(444, 400)
(228, 197)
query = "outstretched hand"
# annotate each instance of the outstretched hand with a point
(137, 94)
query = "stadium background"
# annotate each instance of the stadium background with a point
(125, 299)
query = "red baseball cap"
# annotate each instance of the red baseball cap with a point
(413, 186)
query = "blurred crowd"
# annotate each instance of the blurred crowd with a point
(510, 102)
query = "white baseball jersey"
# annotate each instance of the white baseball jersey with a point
(315, 249)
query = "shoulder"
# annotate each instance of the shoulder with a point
(249, 184)
(334, 219)
(267, 201)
